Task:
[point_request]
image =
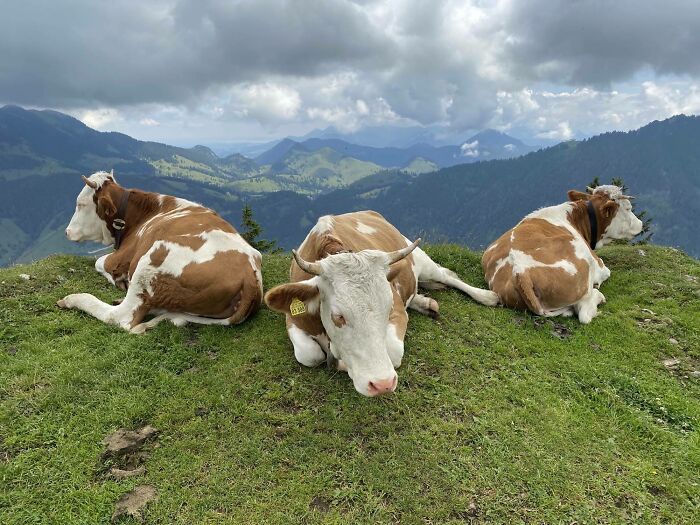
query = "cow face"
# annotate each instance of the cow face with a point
(619, 221)
(624, 224)
(352, 295)
(86, 223)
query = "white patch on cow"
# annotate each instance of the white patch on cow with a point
(100, 267)
(492, 247)
(307, 351)
(521, 261)
(499, 264)
(323, 225)
(624, 225)
(512, 235)
(365, 228)
(394, 345)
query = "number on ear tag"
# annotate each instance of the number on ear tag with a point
(297, 307)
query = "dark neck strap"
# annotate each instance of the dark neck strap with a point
(594, 224)
(119, 222)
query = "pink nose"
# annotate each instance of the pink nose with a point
(382, 386)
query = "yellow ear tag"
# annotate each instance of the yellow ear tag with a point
(297, 307)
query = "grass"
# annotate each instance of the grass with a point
(497, 419)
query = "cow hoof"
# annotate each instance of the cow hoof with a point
(117, 302)
(434, 309)
(61, 303)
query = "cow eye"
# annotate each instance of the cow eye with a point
(338, 320)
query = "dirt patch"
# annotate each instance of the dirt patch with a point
(12, 350)
(561, 331)
(126, 451)
(320, 504)
(134, 502)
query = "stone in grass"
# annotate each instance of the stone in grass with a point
(672, 362)
(673, 341)
(124, 441)
(133, 503)
(24, 276)
(118, 473)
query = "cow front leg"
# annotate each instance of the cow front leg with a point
(587, 307)
(306, 350)
(425, 305)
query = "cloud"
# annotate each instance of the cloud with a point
(552, 68)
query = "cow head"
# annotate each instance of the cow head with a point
(92, 207)
(616, 218)
(354, 299)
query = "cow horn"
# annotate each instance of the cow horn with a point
(89, 182)
(313, 268)
(589, 189)
(397, 255)
(629, 197)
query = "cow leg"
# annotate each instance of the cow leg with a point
(430, 272)
(424, 305)
(587, 307)
(130, 312)
(100, 267)
(396, 331)
(307, 351)
(567, 311)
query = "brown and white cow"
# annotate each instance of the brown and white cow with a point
(547, 263)
(176, 259)
(352, 279)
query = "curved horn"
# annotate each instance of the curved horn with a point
(589, 189)
(397, 255)
(89, 182)
(628, 197)
(313, 268)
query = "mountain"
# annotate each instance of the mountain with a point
(486, 145)
(474, 203)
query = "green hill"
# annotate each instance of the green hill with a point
(499, 417)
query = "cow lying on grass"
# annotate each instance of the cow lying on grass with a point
(352, 279)
(176, 259)
(547, 263)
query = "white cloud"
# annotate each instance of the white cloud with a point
(470, 149)
(149, 122)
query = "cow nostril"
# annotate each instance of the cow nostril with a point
(383, 386)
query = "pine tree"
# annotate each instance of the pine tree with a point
(251, 230)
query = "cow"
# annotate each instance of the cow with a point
(176, 260)
(352, 280)
(547, 263)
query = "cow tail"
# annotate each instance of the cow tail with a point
(524, 286)
(248, 306)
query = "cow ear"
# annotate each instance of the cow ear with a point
(394, 270)
(610, 208)
(288, 298)
(105, 206)
(575, 195)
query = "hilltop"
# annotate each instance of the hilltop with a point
(499, 416)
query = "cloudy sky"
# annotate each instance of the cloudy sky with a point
(198, 71)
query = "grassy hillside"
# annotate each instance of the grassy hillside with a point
(499, 417)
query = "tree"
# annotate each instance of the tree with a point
(646, 234)
(251, 230)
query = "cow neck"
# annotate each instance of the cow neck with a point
(593, 223)
(134, 208)
(119, 222)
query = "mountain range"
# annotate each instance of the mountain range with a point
(42, 154)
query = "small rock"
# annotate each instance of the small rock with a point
(133, 503)
(672, 362)
(648, 311)
(695, 374)
(642, 253)
(673, 341)
(124, 441)
(118, 473)
(71, 270)
(24, 276)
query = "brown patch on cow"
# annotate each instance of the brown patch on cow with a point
(159, 255)
(190, 241)
(604, 208)
(134, 502)
(338, 320)
(280, 297)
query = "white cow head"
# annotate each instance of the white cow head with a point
(625, 224)
(86, 223)
(352, 295)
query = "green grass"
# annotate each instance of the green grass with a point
(493, 410)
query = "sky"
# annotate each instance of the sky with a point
(199, 71)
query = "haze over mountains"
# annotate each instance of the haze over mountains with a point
(42, 154)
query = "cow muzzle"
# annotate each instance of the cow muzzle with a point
(382, 386)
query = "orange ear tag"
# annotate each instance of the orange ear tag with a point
(297, 307)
